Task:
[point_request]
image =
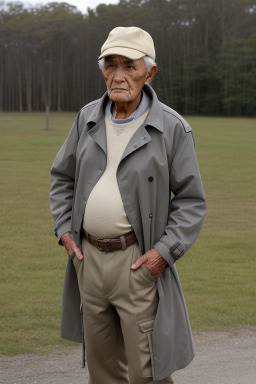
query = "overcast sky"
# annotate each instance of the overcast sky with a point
(82, 5)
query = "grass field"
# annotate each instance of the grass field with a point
(218, 274)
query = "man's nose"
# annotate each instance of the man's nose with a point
(119, 75)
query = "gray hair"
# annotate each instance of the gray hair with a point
(148, 61)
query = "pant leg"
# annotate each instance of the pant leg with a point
(105, 353)
(135, 298)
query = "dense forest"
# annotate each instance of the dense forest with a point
(206, 54)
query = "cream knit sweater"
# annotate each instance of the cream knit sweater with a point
(104, 215)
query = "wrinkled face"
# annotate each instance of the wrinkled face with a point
(125, 78)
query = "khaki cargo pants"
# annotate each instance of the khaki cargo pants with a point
(119, 307)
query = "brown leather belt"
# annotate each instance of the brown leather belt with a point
(111, 245)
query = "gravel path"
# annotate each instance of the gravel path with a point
(221, 358)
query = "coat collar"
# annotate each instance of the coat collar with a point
(154, 118)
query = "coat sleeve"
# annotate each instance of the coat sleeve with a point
(187, 208)
(63, 182)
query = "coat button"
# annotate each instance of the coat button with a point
(135, 145)
(150, 215)
(151, 178)
(75, 232)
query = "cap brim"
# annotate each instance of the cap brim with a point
(127, 52)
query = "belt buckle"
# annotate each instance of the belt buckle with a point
(103, 250)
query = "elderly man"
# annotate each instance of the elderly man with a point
(113, 212)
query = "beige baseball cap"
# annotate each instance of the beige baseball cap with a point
(131, 42)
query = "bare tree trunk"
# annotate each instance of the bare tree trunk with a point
(47, 112)
(20, 91)
(28, 87)
(1, 84)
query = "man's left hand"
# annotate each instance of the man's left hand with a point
(154, 262)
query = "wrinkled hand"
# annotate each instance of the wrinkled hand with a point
(70, 245)
(154, 262)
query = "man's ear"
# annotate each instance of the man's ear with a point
(151, 74)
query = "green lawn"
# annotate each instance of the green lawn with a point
(218, 274)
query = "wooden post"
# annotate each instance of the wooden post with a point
(47, 111)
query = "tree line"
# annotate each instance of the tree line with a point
(206, 54)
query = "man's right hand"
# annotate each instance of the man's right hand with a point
(70, 245)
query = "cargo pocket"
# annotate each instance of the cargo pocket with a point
(145, 330)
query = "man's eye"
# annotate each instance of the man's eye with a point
(129, 66)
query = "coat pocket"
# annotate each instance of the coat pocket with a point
(145, 330)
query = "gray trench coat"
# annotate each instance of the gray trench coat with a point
(159, 158)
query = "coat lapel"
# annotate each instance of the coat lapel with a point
(98, 134)
(96, 122)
